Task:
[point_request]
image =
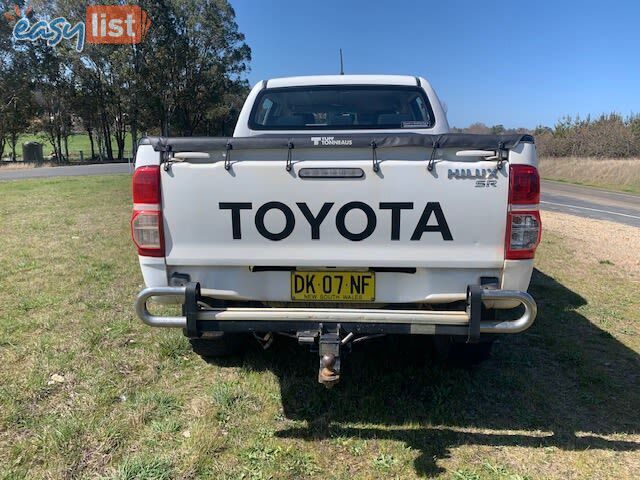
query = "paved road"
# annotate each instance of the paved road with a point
(71, 171)
(591, 202)
(558, 197)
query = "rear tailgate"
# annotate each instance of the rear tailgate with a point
(259, 214)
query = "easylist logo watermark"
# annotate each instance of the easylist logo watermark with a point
(114, 24)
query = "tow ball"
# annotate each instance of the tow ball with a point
(331, 347)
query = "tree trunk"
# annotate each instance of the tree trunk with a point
(56, 154)
(100, 146)
(133, 110)
(106, 132)
(90, 133)
(120, 144)
(164, 126)
(134, 137)
(59, 146)
(13, 140)
(107, 143)
(66, 148)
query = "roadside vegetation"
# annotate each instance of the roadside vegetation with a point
(601, 151)
(606, 136)
(87, 391)
(610, 173)
(603, 137)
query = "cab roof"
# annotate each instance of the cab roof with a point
(342, 80)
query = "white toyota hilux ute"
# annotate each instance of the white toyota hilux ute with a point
(341, 209)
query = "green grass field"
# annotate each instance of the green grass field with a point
(77, 143)
(87, 391)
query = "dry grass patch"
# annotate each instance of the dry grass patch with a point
(599, 244)
(617, 174)
(4, 166)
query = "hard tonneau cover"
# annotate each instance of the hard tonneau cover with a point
(357, 140)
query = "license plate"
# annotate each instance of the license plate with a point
(333, 286)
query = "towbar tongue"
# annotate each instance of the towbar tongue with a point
(329, 346)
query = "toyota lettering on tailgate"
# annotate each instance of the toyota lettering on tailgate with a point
(431, 220)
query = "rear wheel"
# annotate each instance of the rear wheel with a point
(472, 353)
(219, 345)
(456, 351)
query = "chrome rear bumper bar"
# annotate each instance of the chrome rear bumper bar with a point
(197, 319)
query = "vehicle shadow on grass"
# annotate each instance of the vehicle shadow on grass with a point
(564, 383)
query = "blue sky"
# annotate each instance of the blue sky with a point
(515, 63)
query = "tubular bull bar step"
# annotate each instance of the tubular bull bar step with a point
(197, 320)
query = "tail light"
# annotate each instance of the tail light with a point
(523, 234)
(524, 185)
(146, 221)
(524, 226)
(146, 185)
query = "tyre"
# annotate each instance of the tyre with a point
(218, 346)
(455, 351)
(476, 353)
(471, 353)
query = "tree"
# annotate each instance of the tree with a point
(85, 107)
(193, 55)
(6, 59)
(53, 96)
(216, 57)
(17, 101)
(479, 128)
(498, 129)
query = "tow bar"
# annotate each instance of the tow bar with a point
(323, 328)
(329, 346)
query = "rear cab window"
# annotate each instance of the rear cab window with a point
(341, 107)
